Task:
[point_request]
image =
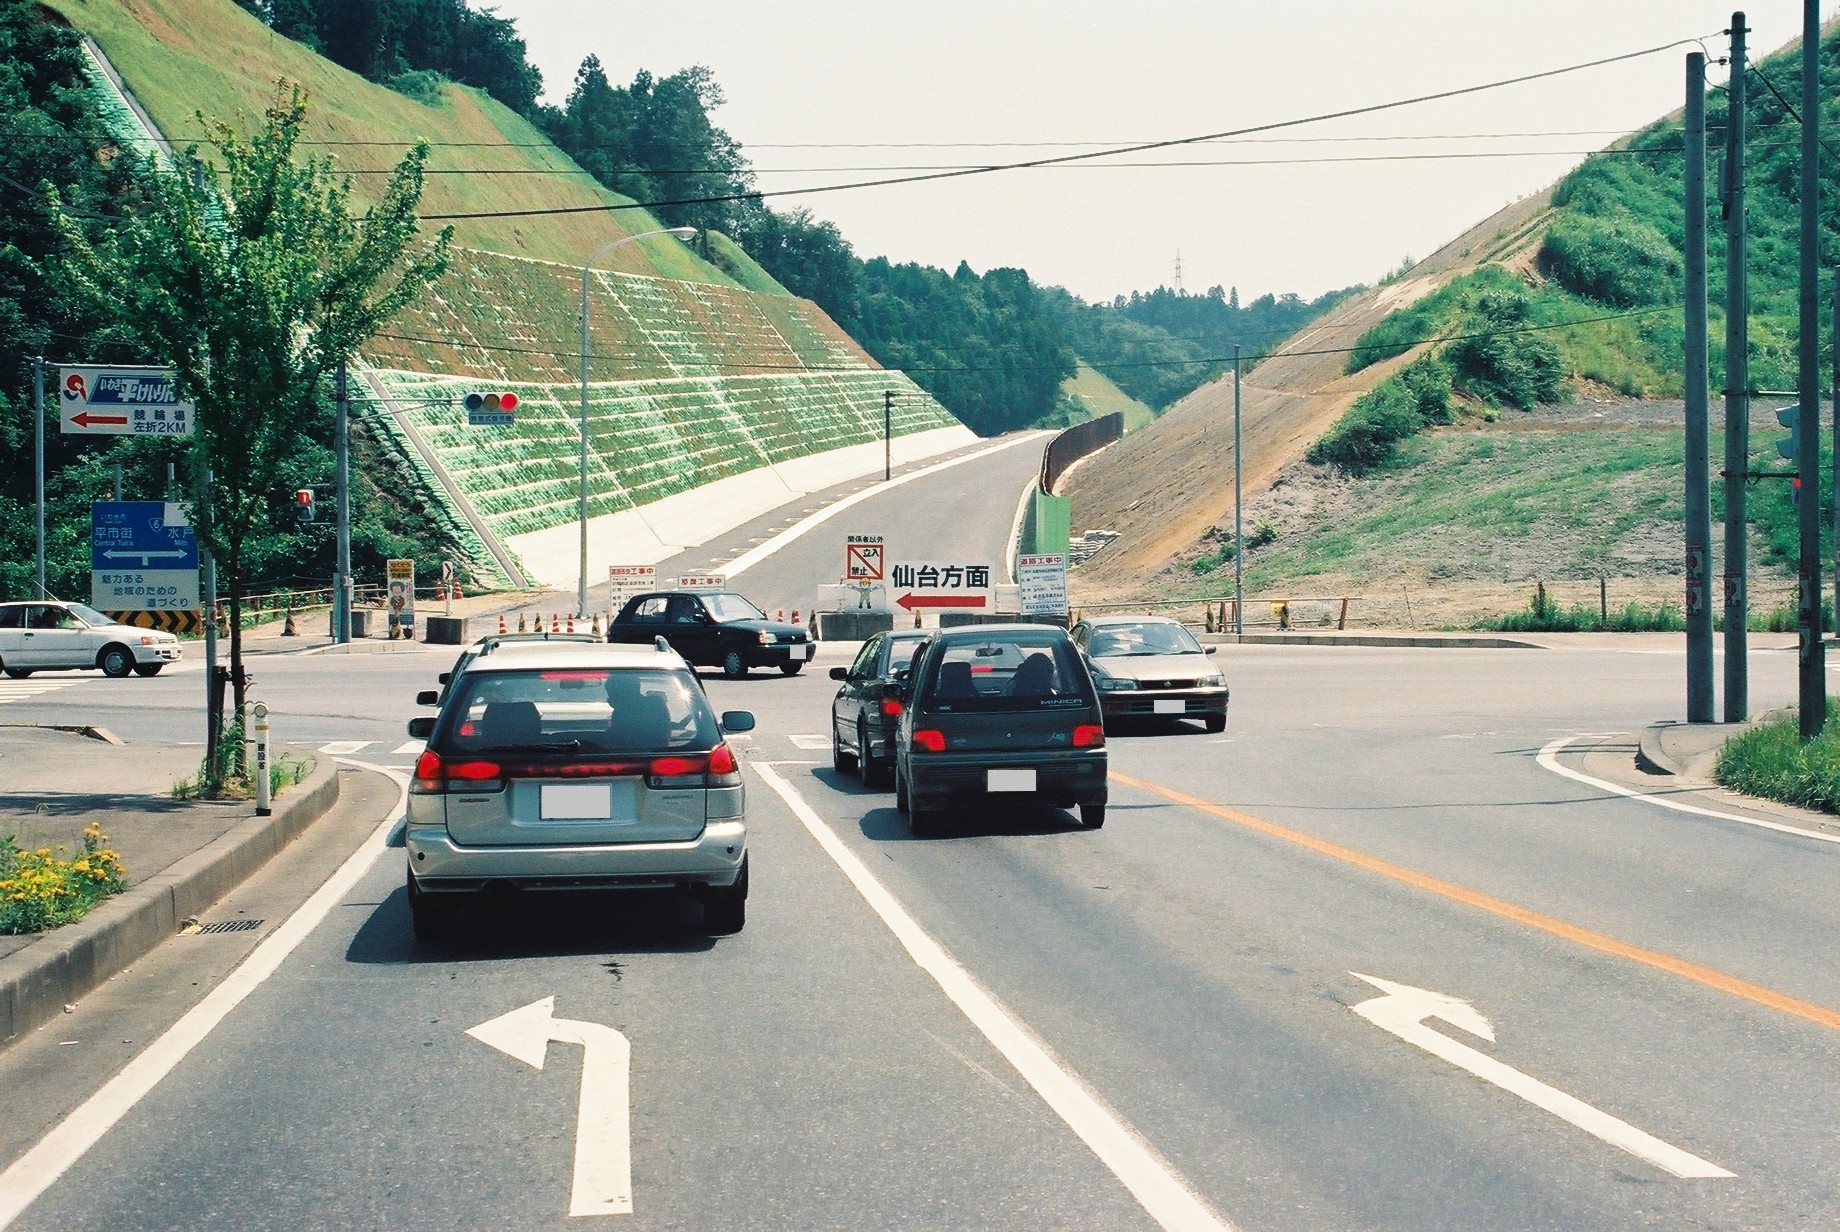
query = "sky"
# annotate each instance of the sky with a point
(830, 91)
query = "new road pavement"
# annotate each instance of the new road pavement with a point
(1398, 950)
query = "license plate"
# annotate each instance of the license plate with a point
(1010, 780)
(577, 802)
(799, 650)
(1169, 705)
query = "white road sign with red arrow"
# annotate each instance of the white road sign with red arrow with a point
(125, 401)
(941, 585)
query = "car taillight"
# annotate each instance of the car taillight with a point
(724, 771)
(891, 707)
(930, 740)
(434, 775)
(1089, 736)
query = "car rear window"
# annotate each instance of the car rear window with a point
(588, 710)
(1011, 673)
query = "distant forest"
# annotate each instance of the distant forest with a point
(993, 348)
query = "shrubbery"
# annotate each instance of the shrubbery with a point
(1495, 363)
(1771, 761)
(1410, 400)
(1615, 261)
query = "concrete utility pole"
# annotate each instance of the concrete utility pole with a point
(1812, 659)
(887, 435)
(38, 449)
(1239, 539)
(1698, 451)
(1737, 389)
(341, 584)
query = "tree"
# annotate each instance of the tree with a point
(254, 281)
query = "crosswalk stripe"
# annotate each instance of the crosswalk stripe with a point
(19, 690)
(407, 747)
(345, 748)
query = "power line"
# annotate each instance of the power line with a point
(1067, 158)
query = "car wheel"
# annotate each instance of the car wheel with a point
(1092, 816)
(1217, 722)
(790, 668)
(148, 669)
(19, 673)
(734, 663)
(115, 662)
(842, 760)
(874, 773)
(432, 919)
(725, 907)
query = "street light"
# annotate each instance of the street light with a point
(682, 233)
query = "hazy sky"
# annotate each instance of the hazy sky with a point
(827, 91)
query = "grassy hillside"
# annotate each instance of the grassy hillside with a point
(1096, 395)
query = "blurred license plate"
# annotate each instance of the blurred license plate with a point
(577, 802)
(798, 650)
(1169, 705)
(1010, 780)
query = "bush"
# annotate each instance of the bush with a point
(1544, 616)
(1771, 761)
(1397, 408)
(41, 889)
(1616, 261)
(1497, 365)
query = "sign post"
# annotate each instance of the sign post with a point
(122, 401)
(144, 559)
(400, 575)
(1043, 580)
(864, 558)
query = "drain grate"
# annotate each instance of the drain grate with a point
(230, 926)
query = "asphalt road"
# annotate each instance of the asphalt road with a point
(1172, 1021)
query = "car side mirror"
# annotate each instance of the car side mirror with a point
(444, 677)
(428, 697)
(1209, 649)
(840, 673)
(737, 721)
(895, 690)
(421, 728)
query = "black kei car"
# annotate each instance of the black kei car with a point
(863, 715)
(713, 628)
(999, 712)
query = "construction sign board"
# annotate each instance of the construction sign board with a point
(626, 581)
(122, 402)
(1043, 580)
(942, 585)
(706, 582)
(400, 575)
(864, 558)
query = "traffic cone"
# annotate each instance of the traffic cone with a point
(795, 615)
(501, 623)
(780, 615)
(555, 623)
(596, 627)
(457, 592)
(571, 622)
(287, 630)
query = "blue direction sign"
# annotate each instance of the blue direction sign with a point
(141, 535)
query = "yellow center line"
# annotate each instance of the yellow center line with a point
(1710, 977)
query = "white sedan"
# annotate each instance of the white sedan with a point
(50, 637)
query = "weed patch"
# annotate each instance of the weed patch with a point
(1771, 761)
(42, 888)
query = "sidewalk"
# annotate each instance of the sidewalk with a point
(181, 856)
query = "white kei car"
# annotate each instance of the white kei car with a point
(53, 637)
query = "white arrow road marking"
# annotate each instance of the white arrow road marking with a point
(1403, 1010)
(1549, 759)
(1156, 1185)
(603, 1125)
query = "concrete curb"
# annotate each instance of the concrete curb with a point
(39, 980)
(1458, 641)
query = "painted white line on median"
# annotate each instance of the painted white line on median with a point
(1549, 758)
(753, 556)
(1151, 1180)
(39, 1168)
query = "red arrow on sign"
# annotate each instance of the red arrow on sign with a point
(911, 601)
(84, 419)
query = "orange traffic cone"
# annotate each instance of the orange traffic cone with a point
(521, 626)
(571, 622)
(780, 615)
(555, 623)
(795, 615)
(501, 623)
(596, 627)
(457, 593)
(288, 630)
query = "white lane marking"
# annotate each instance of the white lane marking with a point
(1549, 758)
(408, 747)
(603, 1118)
(345, 748)
(19, 690)
(1402, 1012)
(1163, 1194)
(810, 743)
(51, 1156)
(753, 556)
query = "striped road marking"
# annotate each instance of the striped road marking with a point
(19, 690)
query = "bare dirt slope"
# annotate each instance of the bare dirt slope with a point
(1162, 487)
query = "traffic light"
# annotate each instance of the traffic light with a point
(496, 400)
(303, 505)
(1790, 418)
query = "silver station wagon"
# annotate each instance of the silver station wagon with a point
(576, 767)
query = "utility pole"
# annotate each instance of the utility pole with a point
(887, 435)
(1239, 539)
(1811, 659)
(1737, 387)
(1698, 450)
(38, 450)
(341, 598)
